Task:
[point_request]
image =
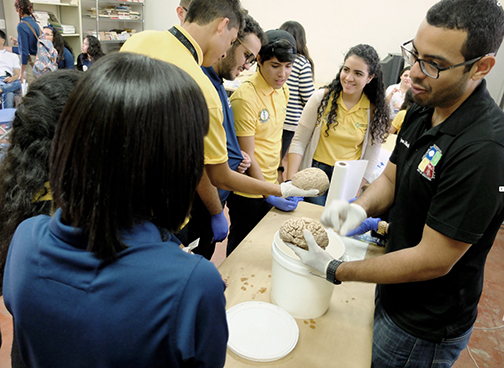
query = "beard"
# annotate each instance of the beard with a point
(441, 98)
(227, 66)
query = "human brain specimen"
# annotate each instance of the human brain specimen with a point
(292, 232)
(311, 178)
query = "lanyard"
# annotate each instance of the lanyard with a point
(183, 39)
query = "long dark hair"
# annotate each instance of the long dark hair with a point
(24, 7)
(25, 167)
(128, 149)
(374, 90)
(60, 43)
(298, 31)
(94, 49)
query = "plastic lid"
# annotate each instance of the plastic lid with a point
(261, 332)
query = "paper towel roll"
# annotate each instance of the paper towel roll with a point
(346, 179)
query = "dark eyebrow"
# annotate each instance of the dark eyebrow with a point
(435, 57)
(356, 70)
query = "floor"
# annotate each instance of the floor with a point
(486, 347)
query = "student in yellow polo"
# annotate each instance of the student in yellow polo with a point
(259, 108)
(208, 31)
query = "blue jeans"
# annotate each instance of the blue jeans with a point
(8, 90)
(394, 348)
(321, 200)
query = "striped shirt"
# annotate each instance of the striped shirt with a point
(301, 88)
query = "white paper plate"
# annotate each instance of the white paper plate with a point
(261, 332)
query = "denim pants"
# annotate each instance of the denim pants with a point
(395, 348)
(321, 200)
(8, 90)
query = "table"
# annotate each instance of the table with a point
(340, 338)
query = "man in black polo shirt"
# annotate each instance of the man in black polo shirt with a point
(444, 183)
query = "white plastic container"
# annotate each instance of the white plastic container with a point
(294, 287)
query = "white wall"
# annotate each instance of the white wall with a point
(333, 26)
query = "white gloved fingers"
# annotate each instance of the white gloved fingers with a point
(290, 190)
(310, 240)
(335, 214)
(309, 193)
(300, 252)
(354, 217)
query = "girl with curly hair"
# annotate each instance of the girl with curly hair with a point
(91, 52)
(346, 120)
(24, 170)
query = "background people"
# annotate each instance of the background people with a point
(121, 225)
(65, 52)
(396, 124)
(300, 83)
(346, 120)
(10, 71)
(28, 32)
(394, 95)
(259, 106)
(443, 182)
(91, 52)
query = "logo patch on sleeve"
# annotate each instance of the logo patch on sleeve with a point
(429, 161)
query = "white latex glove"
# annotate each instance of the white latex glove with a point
(191, 246)
(290, 190)
(343, 216)
(315, 257)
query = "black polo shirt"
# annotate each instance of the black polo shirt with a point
(450, 177)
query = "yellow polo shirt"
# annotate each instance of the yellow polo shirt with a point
(259, 110)
(398, 120)
(164, 46)
(344, 142)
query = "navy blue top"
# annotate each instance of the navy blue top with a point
(233, 147)
(154, 306)
(27, 42)
(68, 63)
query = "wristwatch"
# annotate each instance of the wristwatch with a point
(382, 228)
(331, 271)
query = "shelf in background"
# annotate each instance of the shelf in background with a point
(55, 4)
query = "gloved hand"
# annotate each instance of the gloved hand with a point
(343, 216)
(284, 204)
(289, 190)
(315, 257)
(220, 226)
(296, 199)
(370, 223)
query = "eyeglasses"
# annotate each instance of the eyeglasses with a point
(427, 67)
(249, 55)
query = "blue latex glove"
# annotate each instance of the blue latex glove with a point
(296, 199)
(220, 226)
(283, 204)
(370, 223)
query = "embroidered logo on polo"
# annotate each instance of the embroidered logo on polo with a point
(429, 161)
(264, 116)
